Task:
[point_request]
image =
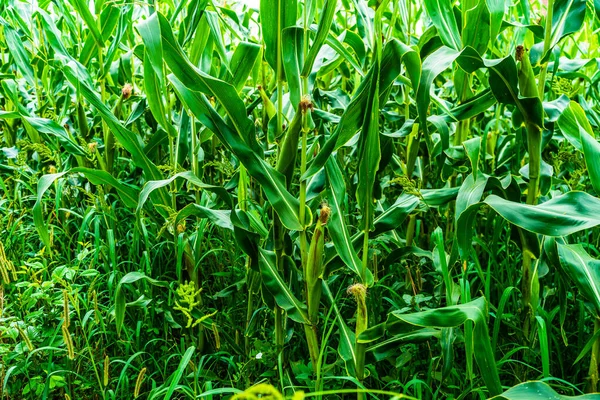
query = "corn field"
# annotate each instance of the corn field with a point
(294, 199)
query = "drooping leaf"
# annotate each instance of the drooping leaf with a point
(271, 181)
(128, 194)
(576, 128)
(19, 54)
(354, 116)
(559, 216)
(194, 79)
(131, 142)
(399, 323)
(280, 290)
(83, 9)
(120, 303)
(583, 270)
(189, 176)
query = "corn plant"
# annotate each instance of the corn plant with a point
(299, 198)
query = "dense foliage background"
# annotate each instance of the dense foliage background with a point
(314, 198)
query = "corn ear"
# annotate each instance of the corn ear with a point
(314, 266)
(289, 148)
(267, 103)
(359, 291)
(527, 84)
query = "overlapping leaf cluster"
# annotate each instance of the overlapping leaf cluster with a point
(370, 197)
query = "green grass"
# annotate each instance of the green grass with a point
(320, 198)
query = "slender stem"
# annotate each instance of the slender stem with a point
(279, 73)
(535, 159)
(278, 230)
(250, 306)
(593, 371)
(279, 331)
(109, 139)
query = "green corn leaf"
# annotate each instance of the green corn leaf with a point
(327, 15)
(354, 116)
(571, 122)
(293, 59)
(120, 303)
(442, 16)
(279, 288)
(215, 31)
(470, 108)
(503, 81)
(394, 215)
(221, 218)
(131, 142)
(149, 30)
(128, 194)
(559, 216)
(154, 90)
(83, 9)
(583, 270)
(567, 18)
(337, 228)
(286, 162)
(346, 348)
(369, 153)
(447, 317)
(389, 347)
(388, 220)
(544, 348)
(496, 9)
(275, 16)
(272, 182)
(48, 127)
(109, 18)
(576, 127)
(189, 176)
(535, 389)
(339, 48)
(124, 16)
(196, 80)
(588, 346)
(242, 62)
(476, 30)
(19, 54)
